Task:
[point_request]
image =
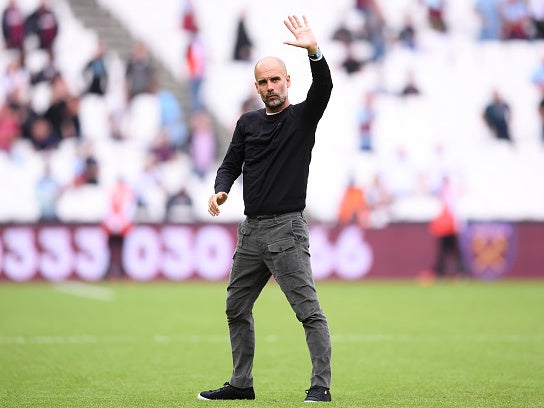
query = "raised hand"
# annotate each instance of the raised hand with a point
(304, 36)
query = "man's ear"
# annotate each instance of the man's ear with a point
(288, 80)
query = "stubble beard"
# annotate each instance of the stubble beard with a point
(276, 103)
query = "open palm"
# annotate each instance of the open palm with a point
(304, 36)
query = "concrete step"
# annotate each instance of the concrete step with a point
(119, 40)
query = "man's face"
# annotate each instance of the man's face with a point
(271, 82)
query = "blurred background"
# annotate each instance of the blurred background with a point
(117, 114)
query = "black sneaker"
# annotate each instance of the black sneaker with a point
(228, 392)
(318, 394)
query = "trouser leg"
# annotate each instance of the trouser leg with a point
(248, 276)
(291, 268)
(309, 313)
(440, 263)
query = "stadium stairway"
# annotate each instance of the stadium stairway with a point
(120, 40)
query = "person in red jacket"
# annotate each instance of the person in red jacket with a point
(445, 228)
(13, 26)
(118, 222)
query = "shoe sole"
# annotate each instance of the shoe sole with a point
(201, 398)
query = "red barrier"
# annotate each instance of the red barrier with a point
(204, 251)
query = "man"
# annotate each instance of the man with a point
(43, 23)
(13, 26)
(497, 115)
(272, 146)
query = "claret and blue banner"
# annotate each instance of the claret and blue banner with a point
(58, 252)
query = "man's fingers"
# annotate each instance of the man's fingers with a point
(295, 23)
(289, 25)
(213, 211)
(212, 205)
(215, 201)
(292, 21)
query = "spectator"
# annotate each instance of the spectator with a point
(70, 124)
(203, 144)
(497, 117)
(243, 44)
(47, 74)
(541, 115)
(48, 191)
(140, 71)
(538, 80)
(195, 57)
(16, 82)
(42, 135)
(172, 119)
(188, 17)
(179, 206)
(353, 206)
(490, 17)
(116, 117)
(516, 20)
(13, 26)
(407, 34)
(365, 120)
(161, 149)
(410, 88)
(374, 28)
(150, 192)
(379, 199)
(10, 127)
(536, 11)
(351, 63)
(43, 23)
(537, 77)
(95, 72)
(343, 34)
(89, 172)
(25, 114)
(365, 6)
(435, 14)
(63, 113)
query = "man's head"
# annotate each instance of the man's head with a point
(271, 83)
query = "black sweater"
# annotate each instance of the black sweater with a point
(274, 151)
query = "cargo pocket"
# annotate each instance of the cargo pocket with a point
(243, 232)
(284, 256)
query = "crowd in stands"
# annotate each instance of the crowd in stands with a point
(145, 142)
(367, 39)
(42, 116)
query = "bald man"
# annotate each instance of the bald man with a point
(272, 148)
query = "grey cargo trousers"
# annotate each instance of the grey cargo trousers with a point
(274, 246)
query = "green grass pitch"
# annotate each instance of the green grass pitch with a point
(395, 344)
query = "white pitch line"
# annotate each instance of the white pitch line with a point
(404, 338)
(86, 291)
(195, 339)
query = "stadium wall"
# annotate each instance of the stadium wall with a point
(57, 252)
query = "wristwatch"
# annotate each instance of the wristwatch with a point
(316, 56)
